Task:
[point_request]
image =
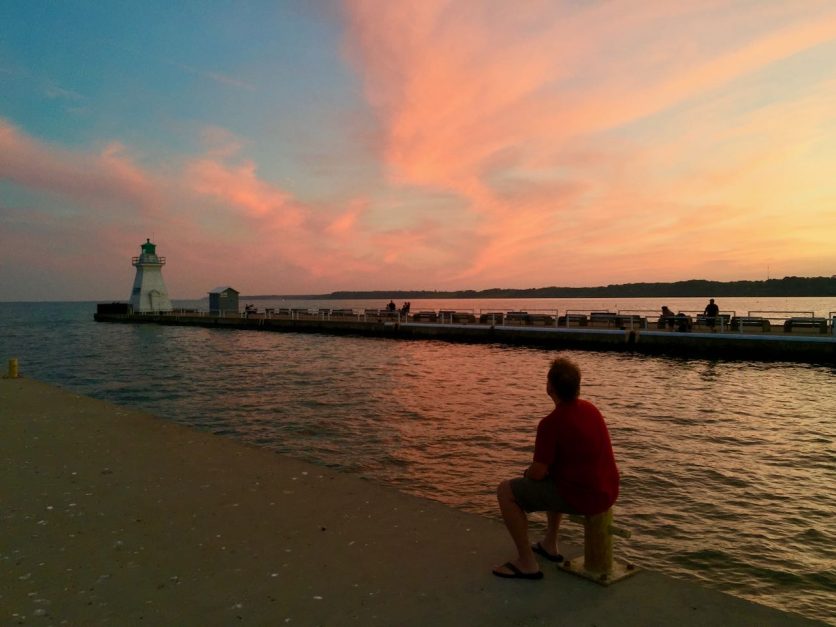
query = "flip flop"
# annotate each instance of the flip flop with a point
(538, 548)
(516, 573)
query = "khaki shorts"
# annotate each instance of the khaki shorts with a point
(539, 496)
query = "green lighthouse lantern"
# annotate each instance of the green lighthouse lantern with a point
(148, 248)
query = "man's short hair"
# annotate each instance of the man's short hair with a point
(565, 379)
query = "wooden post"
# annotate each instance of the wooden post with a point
(597, 542)
(597, 563)
(13, 370)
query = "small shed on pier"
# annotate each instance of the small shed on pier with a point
(223, 301)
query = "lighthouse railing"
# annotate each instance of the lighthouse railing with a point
(146, 259)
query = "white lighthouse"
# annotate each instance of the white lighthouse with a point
(149, 293)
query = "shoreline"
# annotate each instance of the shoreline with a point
(113, 514)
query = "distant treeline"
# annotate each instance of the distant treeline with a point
(788, 286)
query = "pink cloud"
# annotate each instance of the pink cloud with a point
(519, 144)
(344, 226)
(107, 177)
(239, 187)
(497, 106)
(209, 213)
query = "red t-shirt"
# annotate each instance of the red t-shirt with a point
(573, 441)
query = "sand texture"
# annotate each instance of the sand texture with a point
(111, 516)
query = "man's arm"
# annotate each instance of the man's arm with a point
(537, 471)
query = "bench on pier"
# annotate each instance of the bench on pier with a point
(597, 562)
(602, 319)
(805, 324)
(573, 320)
(523, 318)
(381, 314)
(681, 322)
(518, 318)
(629, 321)
(712, 322)
(445, 315)
(540, 320)
(491, 318)
(324, 312)
(342, 313)
(463, 317)
(425, 316)
(750, 323)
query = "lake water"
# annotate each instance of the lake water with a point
(727, 468)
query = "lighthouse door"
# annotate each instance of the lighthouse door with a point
(154, 296)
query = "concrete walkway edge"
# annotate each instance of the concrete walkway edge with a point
(111, 516)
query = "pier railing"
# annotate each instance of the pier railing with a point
(756, 321)
(790, 321)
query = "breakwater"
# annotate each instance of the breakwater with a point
(614, 333)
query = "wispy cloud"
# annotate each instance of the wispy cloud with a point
(568, 143)
(53, 91)
(209, 74)
(497, 106)
(216, 213)
(217, 77)
(107, 176)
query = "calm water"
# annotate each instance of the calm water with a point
(728, 468)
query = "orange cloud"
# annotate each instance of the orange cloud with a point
(109, 177)
(215, 214)
(345, 225)
(239, 187)
(550, 124)
(519, 144)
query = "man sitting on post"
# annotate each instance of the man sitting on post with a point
(573, 472)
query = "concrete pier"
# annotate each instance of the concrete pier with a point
(815, 348)
(113, 516)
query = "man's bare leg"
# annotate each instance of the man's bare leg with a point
(549, 541)
(517, 523)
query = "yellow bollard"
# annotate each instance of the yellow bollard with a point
(12, 369)
(597, 545)
(598, 563)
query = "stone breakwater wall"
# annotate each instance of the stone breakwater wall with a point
(728, 345)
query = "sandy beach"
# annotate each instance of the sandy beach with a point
(113, 516)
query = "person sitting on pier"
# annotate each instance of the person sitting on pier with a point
(573, 472)
(683, 322)
(667, 318)
(711, 312)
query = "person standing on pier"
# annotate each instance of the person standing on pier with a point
(573, 472)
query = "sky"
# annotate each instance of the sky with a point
(295, 147)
